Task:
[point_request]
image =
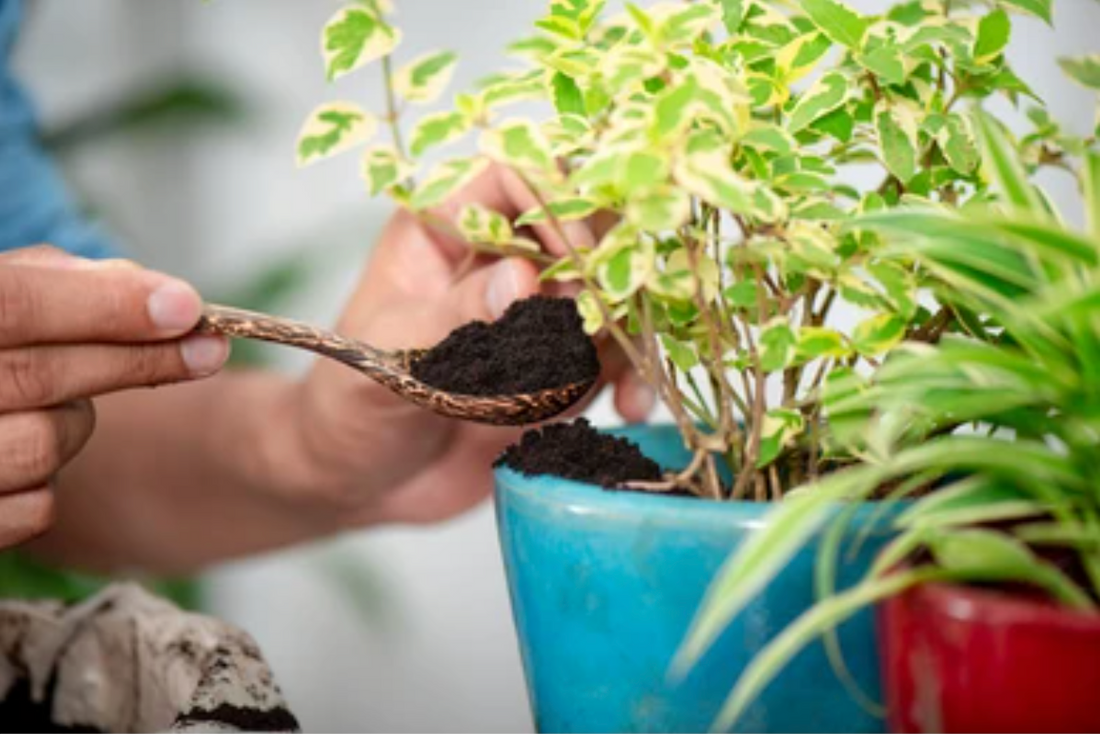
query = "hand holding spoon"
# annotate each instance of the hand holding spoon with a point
(393, 369)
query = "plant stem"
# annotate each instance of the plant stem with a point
(392, 114)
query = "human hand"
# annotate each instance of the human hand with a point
(72, 329)
(378, 458)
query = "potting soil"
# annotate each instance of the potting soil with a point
(538, 344)
(578, 451)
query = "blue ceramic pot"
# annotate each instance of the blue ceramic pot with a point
(604, 586)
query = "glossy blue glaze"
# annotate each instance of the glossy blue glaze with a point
(605, 584)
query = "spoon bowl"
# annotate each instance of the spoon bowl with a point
(392, 369)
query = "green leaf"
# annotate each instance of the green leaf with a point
(671, 110)
(878, 334)
(1090, 187)
(662, 209)
(993, 33)
(777, 344)
(355, 36)
(332, 129)
(445, 179)
(564, 210)
(969, 502)
(383, 168)
(887, 63)
(1039, 8)
(623, 263)
(819, 341)
(988, 555)
(778, 428)
(838, 21)
(897, 134)
(424, 79)
(437, 129)
(590, 312)
(733, 14)
(1085, 70)
(814, 622)
(762, 555)
(568, 98)
(480, 225)
(681, 353)
(826, 95)
(520, 144)
(957, 142)
(1003, 166)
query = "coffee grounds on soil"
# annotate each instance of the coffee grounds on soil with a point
(538, 344)
(245, 719)
(578, 451)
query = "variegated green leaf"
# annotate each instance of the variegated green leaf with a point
(437, 129)
(838, 21)
(825, 95)
(332, 129)
(424, 79)
(1038, 8)
(897, 134)
(384, 168)
(445, 179)
(993, 33)
(623, 263)
(779, 427)
(481, 225)
(564, 210)
(777, 344)
(815, 342)
(519, 144)
(661, 209)
(956, 140)
(355, 36)
(1085, 70)
(681, 353)
(878, 334)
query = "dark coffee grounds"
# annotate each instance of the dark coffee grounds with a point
(538, 344)
(19, 712)
(578, 451)
(244, 719)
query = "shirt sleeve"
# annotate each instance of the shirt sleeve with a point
(36, 206)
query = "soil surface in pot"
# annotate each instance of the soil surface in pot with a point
(18, 712)
(578, 451)
(538, 344)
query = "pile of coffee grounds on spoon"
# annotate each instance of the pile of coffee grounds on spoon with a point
(538, 344)
(580, 452)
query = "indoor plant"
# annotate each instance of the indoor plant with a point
(724, 134)
(1007, 417)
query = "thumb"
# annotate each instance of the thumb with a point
(487, 293)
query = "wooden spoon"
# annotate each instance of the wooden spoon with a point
(392, 369)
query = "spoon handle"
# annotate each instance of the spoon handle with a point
(242, 324)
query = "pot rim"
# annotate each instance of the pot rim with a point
(546, 492)
(992, 607)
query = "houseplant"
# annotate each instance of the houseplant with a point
(724, 134)
(1006, 416)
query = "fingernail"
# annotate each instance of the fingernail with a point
(503, 289)
(204, 354)
(644, 399)
(174, 306)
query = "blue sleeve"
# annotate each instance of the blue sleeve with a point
(35, 204)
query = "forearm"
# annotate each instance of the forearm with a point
(177, 478)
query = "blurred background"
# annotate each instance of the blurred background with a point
(175, 121)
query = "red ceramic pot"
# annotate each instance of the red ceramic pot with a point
(957, 659)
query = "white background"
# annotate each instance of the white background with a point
(394, 630)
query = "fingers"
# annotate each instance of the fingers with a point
(36, 377)
(47, 297)
(25, 515)
(634, 398)
(502, 190)
(34, 445)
